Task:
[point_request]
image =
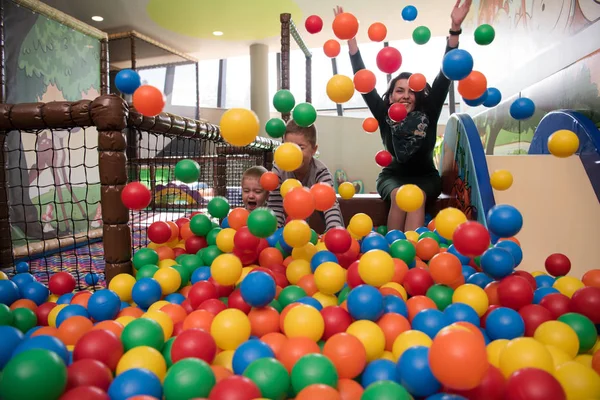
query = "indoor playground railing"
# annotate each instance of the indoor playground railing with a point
(65, 164)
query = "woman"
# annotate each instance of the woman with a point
(411, 141)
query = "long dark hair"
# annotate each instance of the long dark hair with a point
(421, 97)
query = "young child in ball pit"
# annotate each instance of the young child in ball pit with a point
(412, 140)
(311, 171)
(253, 194)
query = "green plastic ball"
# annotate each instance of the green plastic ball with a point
(6, 317)
(166, 351)
(484, 34)
(147, 271)
(187, 171)
(382, 229)
(385, 390)
(32, 375)
(192, 262)
(314, 237)
(210, 253)
(143, 332)
(144, 256)
(283, 252)
(184, 273)
(312, 369)
(290, 294)
(270, 376)
(262, 222)
(284, 101)
(431, 235)
(200, 225)
(211, 237)
(441, 296)
(304, 114)
(218, 207)
(188, 379)
(24, 319)
(275, 127)
(224, 300)
(404, 250)
(276, 305)
(583, 327)
(344, 294)
(421, 35)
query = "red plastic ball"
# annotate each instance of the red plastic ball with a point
(235, 387)
(177, 328)
(100, 345)
(267, 271)
(200, 292)
(222, 291)
(557, 303)
(336, 320)
(533, 384)
(181, 222)
(177, 251)
(61, 283)
(383, 158)
(195, 343)
(346, 258)
(492, 387)
(42, 312)
(213, 306)
(88, 372)
(338, 240)
(247, 257)
(514, 292)
(85, 392)
(557, 264)
(586, 301)
(244, 240)
(534, 315)
(136, 196)
(471, 239)
(148, 100)
(159, 232)
(353, 277)
(389, 60)
(313, 24)
(397, 112)
(281, 279)
(235, 300)
(194, 244)
(489, 310)
(417, 281)
(528, 277)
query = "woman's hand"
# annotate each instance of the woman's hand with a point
(352, 43)
(459, 13)
(337, 10)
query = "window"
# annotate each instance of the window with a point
(237, 82)
(154, 77)
(208, 72)
(184, 86)
(322, 71)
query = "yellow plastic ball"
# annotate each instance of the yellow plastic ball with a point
(494, 351)
(296, 270)
(473, 296)
(370, 335)
(501, 179)
(525, 352)
(563, 143)
(297, 233)
(578, 381)
(387, 355)
(538, 273)
(169, 280)
(412, 235)
(397, 287)
(288, 185)
(225, 359)
(408, 339)
(230, 328)
(239, 126)
(288, 156)
(304, 321)
(3, 276)
(167, 262)
(558, 334)
(158, 305)
(567, 285)
(54, 313)
(143, 357)
(584, 359)
(163, 319)
(596, 347)
(320, 246)
(154, 246)
(245, 272)
(52, 298)
(361, 224)
(559, 357)
(346, 190)
(326, 300)
(409, 197)
(376, 267)
(340, 89)
(224, 240)
(125, 320)
(305, 252)
(447, 220)
(122, 284)
(330, 277)
(226, 269)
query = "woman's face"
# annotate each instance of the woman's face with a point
(402, 94)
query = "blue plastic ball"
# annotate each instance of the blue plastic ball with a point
(21, 267)
(430, 322)
(480, 279)
(146, 292)
(494, 97)
(478, 101)
(22, 279)
(105, 304)
(394, 235)
(124, 305)
(36, 292)
(365, 302)
(9, 292)
(320, 257)
(514, 249)
(544, 281)
(274, 238)
(65, 298)
(461, 312)
(374, 241)
(91, 279)
(504, 220)
(44, 342)
(378, 370)
(127, 81)
(258, 289)
(248, 352)
(522, 108)
(225, 223)
(200, 274)
(135, 381)
(11, 338)
(395, 304)
(409, 13)
(422, 229)
(467, 271)
(497, 262)
(457, 64)
(463, 259)
(486, 338)
(310, 301)
(542, 292)
(504, 323)
(446, 396)
(414, 373)
(284, 246)
(70, 311)
(175, 298)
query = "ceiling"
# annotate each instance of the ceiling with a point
(188, 25)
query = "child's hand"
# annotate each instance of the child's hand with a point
(337, 10)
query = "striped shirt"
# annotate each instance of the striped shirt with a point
(318, 172)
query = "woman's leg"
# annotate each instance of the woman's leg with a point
(396, 217)
(416, 219)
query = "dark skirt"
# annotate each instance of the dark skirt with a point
(431, 184)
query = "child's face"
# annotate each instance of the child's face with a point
(253, 195)
(308, 150)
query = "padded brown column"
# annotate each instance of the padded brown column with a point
(109, 114)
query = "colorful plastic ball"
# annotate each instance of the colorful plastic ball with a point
(522, 109)
(473, 86)
(230, 328)
(143, 357)
(148, 100)
(345, 26)
(385, 390)
(376, 267)
(383, 158)
(586, 301)
(533, 316)
(145, 292)
(494, 97)
(270, 376)
(457, 312)
(484, 34)
(142, 332)
(409, 198)
(35, 291)
(457, 64)
(525, 353)
(9, 292)
(414, 373)
(578, 380)
(304, 321)
(127, 81)
(430, 321)
(514, 249)
(370, 124)
(239, 126)
(340, 89)
(304, 114)
(332, 48)
(275, 127)
(409, 13)
(330, 278)
(563, 143)
(497, 262)
(397, 112)
(447, 220)
(136, 196)
(248, 352)
(365, 302)
(417, 82)
(226, 269)
(187, 171)
(421, 35)
(583, 327)
(61, 283)
(389, 60)
(235, 387)
(313, 369)
(189, 378)
(262, 222)
(104, 305)
(218, 207)
(378, 370)
(44, 342)
(566, 285)
(100, 345)
(515, 292)
(533, 384)
(258, 289)
(504, 323)
(501, 179)
(441, 296)
(135, 382)
(346, 190)
(377, 32)
(284, 101)
(417, 281)
(313, 24)
(557, 264)
(288, 156)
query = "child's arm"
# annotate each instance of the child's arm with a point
(333, 216)
(275, 202)
(439, 90)
(373, 100)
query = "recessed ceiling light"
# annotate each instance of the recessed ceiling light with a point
(97, 18)
(218, 33)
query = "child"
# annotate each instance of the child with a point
(253, 195)
(310, 172)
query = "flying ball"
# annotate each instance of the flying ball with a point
(484, 34)
(522, 109)
(417, 82)
(563, 143)
(332, 48)
(275, 127)
(473, 86)
(340, 89)
(136, 196)
(187, 171)
(288, 156)
(377, 32)
(409, 13)
(421, 35)
(148, 100)
(397, 112)
(127, 81)
(409, 198)
(389, 60)
(383, 158)
(364, 81)
(501, 179)
(239, 126)
(313, 24)
(457, 64)
(284, 101)
(345, 26)
(304, 114)
(494, 97)
(370, 125)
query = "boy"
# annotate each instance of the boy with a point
(253, 195)
(310, 172)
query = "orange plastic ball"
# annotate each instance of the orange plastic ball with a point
(445, 268)
(392, 325)
(427, 248)
(473, 86)
(418, 303)
(148, 100)
(345, 26)
(237, 218)
(332, 48)
(417, 82)
(377, 32)
(347, 353)
(263, 320)
(318, 391)
(370, 125)
(324, 196)
(269, 181)
(364, 81)
(299, 203)
(276, 341)
(294, 349)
